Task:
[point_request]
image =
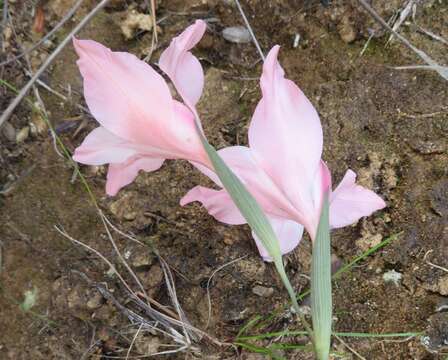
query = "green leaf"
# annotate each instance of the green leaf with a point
(321, 306)
(252, 212)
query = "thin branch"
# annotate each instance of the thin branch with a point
(442, 70)
(432, 35)
(357, 354)
(432, 264)
(66, 17)
(249, 28)
(404, 13)
(10, 109)
(208, 286)
(5, 13)
(133, 341)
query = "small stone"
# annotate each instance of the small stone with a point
(428, 147)
(436, 338)
(75, 299)
(23, 134)
(152, 279)
(135, 21)
(123, 209)
(346, 29)
(439, 197)
(38, 125)
(147, 345)
(251, 268)
(9, 132)
(262, 291)
(95, 301)
(228, 240)
(236, 34)
(142, 259)
(7, 34)
(368, 241)
(94, 170)
(393, 277)
(443, 285)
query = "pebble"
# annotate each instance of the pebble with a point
(142, 260)
(147, 345)
(443, 285)
(95, 301)
(346, 30)
(23, 134)
(393, 277)
(439, 197)
(9, 132)
(123, 207)
(368, 240)
(38, 125)
(263, 291)
(236, 34)
(135, 21)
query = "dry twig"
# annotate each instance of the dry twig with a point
(208, 286)
(10, 109)
(249, 28)
(66, 17)
(441, 70)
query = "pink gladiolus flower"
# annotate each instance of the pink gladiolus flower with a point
(282, 167)
(141, 124)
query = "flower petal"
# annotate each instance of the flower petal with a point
(242, 163)
(184, 69)
(349, 202)
(289, 233)
(102, 147)
(217, 202)
(285, 136)
(125, 95)
(120, 175)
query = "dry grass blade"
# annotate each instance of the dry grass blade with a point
(10, 109)
(194, 332)
(432, 35)
(158, 318)
(441, 70)
(249, 28)
(101, 256)
(403, 16)
(4, 22)
(117, 251)
(61, 23)
(353, 351)
(208, 286)
(133, 340)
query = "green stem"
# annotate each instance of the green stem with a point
(281, 270)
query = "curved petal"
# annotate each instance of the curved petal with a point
(120, 175)
(285, 135)
(289, 233)
(184, 69)
(102, 147)
(217, 202)
(242, 163)
(349, 202)
(125, 95)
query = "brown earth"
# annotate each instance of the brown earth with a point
(388, 125)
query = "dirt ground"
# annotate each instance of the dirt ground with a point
(388, 125)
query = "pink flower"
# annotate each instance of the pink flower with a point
(141, 124)
(282, 167)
